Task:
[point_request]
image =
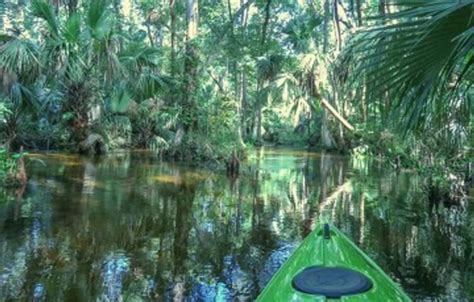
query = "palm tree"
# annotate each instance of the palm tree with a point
(82, 60)
(418, 63)
(19, 67)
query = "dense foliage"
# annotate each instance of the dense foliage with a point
(200, 79)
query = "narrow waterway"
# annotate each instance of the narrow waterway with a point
(129, 227)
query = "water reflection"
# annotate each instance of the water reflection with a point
(114, 268)
(127, 227)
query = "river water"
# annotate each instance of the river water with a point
(128, 227)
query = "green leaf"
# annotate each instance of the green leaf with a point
(419, 60)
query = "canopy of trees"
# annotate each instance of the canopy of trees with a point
(199, 79)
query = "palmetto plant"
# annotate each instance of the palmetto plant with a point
(298, 86)
(417, 62)
(81, 57)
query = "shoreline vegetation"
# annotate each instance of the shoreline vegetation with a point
(207, 83)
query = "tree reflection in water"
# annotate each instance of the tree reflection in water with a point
(113, 271)
(127, 227)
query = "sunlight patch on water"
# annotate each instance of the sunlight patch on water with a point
(168, 179)
(64, 159)
(181, 178)
(284, 152)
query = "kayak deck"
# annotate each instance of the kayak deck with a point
(335, 251)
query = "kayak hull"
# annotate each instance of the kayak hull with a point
(333, 251)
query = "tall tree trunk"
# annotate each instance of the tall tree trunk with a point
(231, 18)
(339, 108)
(265, 22)
(243, 103)
(190, 66)
(337, 26)
(192, 20)
(325, 25)
(385, 104)
(149, 33)
(244, 16)
(351, 8)
(173, 36)
(253, 126)
(260, 85)
(381, 7)
(259, 125)
(243, 79)
(236, 79)
(327, 139)
(359, 13)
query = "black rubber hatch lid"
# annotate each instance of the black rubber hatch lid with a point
(332, 282)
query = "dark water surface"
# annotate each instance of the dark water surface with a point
(129, 228)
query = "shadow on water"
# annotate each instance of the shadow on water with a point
(127, 227)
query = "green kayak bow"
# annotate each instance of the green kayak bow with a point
(327, 265)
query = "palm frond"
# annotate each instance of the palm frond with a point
(149, 84)
(44, 10)
(98, 20)
(19, 57)
(120, 99)
(137, 55)
(23, 97)
(72, 29)
(420, 60)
